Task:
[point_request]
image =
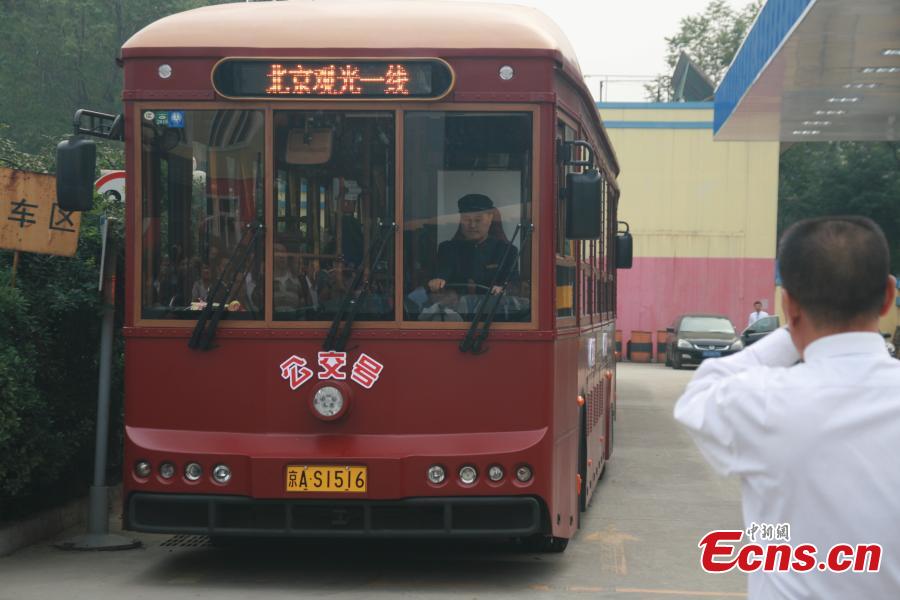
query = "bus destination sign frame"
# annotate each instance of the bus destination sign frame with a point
(333, 78)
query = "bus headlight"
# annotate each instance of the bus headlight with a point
(436, 474)
(193, 471)
(468, 474)
(495, 473)
(221, 474)
(328, 402)
(524, 474)
(142, 468)
(167, 470)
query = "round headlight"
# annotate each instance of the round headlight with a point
(167, 470)
(221, 473)
(192, 471)
(142, 468)
(524, 473)
(328, 402)
(495, 473)
(436, 474)
(507, 72)
(468, 474)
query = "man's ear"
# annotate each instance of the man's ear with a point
(889, 292)
(791, 309)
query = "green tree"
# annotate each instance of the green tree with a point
(841, 178)
(710, 38)
(60, 55)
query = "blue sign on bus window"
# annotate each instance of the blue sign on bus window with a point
(176, 119)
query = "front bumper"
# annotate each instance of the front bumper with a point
(499, 516)
(695, 356)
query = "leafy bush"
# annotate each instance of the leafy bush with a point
(49, 351)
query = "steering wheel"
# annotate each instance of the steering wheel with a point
(451, 293)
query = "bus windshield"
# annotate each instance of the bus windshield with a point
(467, 185)
(202, 184)
(467, 180)
(334, 186)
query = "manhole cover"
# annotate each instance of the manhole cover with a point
(186, 541)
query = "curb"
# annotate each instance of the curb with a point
(50, 523)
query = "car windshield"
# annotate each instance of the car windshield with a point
(766, 324)
(707, 325)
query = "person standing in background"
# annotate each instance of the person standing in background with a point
(757, 314)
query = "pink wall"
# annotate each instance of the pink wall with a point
(656, 290)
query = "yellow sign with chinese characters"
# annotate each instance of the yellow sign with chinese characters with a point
(30, 218)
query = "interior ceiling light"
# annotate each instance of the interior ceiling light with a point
(816, 123)
(807, 132)
(881, 70)
(831, 113)
(860, 86)
(891, 52)
(844, 99)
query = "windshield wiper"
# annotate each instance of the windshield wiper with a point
(484, 317)
(355, 295)
(220, 292)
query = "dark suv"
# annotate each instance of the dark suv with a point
(693, 338)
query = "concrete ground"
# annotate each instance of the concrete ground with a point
(638, 540)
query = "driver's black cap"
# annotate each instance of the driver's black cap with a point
(474, 203)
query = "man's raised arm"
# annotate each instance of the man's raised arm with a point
(707, 407)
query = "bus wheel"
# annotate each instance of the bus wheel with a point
(545, 543)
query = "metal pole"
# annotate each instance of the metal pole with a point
(98, 536)
(15, 266)
(98, 521)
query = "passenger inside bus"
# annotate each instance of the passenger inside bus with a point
(290, 289)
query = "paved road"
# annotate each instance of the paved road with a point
(638, 541)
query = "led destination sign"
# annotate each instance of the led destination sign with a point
(332, 79)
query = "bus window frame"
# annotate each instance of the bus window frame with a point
(268, 107)
(572, 320)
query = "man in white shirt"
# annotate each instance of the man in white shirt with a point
(816, 444)
(757, 314)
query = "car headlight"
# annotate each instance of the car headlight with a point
(685, 345)
(737, 345)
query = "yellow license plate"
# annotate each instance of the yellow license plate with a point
(314, 478)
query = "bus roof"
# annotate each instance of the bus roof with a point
(357, 24)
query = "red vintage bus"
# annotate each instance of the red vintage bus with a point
(370, 273)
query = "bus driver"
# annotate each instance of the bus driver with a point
(472, 258)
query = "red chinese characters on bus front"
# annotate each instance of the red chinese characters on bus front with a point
(365, 371)
(295, 371)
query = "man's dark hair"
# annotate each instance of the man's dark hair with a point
(835, 268)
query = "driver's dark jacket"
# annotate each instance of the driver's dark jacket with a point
(463, 262)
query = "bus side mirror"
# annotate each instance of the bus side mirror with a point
(623, 248)
(76, 161)
(583, 205)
